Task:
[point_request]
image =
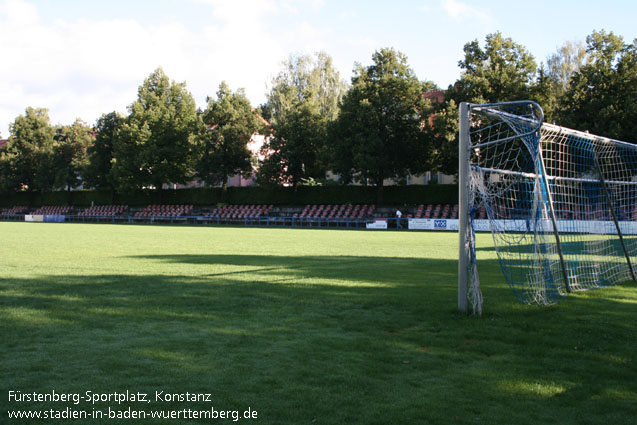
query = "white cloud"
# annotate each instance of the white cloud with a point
(425, 6)
(20, 11)
(75, 69)
(86, 67)
(240, 10)
(460, 11)
(82, 67)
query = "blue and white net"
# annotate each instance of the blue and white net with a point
(561, 204)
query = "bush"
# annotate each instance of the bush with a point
(393, 195)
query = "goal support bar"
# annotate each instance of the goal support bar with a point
(614, 217)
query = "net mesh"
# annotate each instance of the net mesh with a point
(561, 205)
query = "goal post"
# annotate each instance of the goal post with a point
(463, 205)
(561, 204)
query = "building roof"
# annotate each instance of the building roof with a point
(437, 96)
(3, 143)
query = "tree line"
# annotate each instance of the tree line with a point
(379, 126)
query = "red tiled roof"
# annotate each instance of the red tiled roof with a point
(3, 143)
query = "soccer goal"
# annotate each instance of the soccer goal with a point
(561, 204)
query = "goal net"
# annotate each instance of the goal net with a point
(561, 204)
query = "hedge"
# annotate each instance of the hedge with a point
(392, 195)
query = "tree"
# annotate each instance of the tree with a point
(303, 99)
(230, 123)
(445, 141)
(4, 173)
(381, 130)
(305, 78)
(546, 92)
(562, 64)
(98, 172)
(601, 95)
(70, 153)
(294, 152)
(627, 77)
(157, 144)
(553, 79)
(502, 71)
(28, 156)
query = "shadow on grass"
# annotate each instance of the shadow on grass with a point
(337, 339)
(388, 271)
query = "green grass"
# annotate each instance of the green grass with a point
(303, 326)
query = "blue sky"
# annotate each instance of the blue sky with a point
(83, 58)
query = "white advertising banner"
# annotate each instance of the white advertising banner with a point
(420, 224)
(432, 224)
(379, 223)
(564, 226)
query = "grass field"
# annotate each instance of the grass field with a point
(300, 327)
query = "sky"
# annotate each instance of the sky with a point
(83, 58)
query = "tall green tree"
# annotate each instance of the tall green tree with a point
(303, 99)
(546, 92)
(4, 172)
(158, 143)
(553, 79)
(381, 131)
(98, 172)
(500, 71)
(230, 122)
(445, 138)
(294, 151)
(71, 153)
(305, 78)
(28, 156)
(601, 95)
(565, 62)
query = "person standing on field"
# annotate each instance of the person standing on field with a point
(399, 215)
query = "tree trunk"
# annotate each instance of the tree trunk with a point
(294, 191)
(224, 189)
(379, 192)
(160, 194)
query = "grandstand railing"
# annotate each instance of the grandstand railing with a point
(257, 221)
(596, 225)
(311, 216)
